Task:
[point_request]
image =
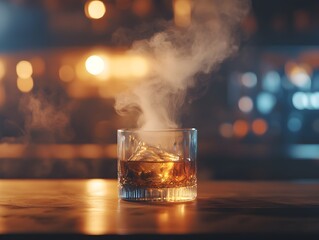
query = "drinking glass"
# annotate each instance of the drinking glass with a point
(157, 165)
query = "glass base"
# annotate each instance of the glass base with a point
(179, 194)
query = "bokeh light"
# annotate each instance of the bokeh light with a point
(299, 75)
(95, 65)
(95, 9)
(240, 128)
(300, 78)
(249, 79)
(182, 13)
(259, 126)
(303, 100)
(25, 84)
(265, 102)
(271, 81)
(226, 130)
(66, 73)
(24, 69)
(245, 104)
(294, 124)
(314, 100)
(300, 100)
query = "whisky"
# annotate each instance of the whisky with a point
(163, 174)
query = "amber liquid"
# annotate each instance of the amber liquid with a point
(161, 174)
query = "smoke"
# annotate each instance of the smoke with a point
(44, 120)
(177, 55)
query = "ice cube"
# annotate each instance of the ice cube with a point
(150, 165)
(145, 152)
(148, 173)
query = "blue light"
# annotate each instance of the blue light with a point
(314, 100)
(4, 17)
(265, 102)
(271, 81)
(294, 124)
(310, 101)
(300, 100)
(304, 151)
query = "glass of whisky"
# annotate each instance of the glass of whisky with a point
(157, 165)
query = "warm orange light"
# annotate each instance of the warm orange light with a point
(175, 215)
(24, 69)
(95, 65)
(60, 151)
(127, 67)
(138, 66)
(25, 84)
(182, 13)
(240, 128)
(2, 69)
(111, 151)
(96, 187)
(96, 220)
(12, 150)
(119, 67)
(95, 9)
(259, 126)
(90, 151)
(66, 73)
(80, 71)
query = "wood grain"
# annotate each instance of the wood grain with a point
(91, 207)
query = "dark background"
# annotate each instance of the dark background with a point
(257, 118)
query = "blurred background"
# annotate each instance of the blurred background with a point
(63, 61)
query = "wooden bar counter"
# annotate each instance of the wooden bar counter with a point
(90, 209)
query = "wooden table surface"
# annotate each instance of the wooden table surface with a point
(91, 208)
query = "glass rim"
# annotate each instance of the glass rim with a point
(136, 130)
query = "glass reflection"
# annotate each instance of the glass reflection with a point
(97, 219)
(173, 219)
(154, 218)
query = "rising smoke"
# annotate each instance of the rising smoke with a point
(45, 122)
(177, 55)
